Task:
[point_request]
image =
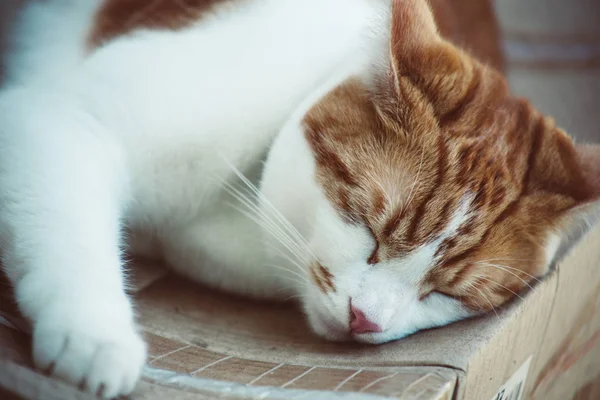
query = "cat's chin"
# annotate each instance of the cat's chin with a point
(379, 337)
(334, 335)
(328, 329)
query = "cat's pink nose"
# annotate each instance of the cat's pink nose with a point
(359, 323)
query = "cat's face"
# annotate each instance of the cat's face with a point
(433, 194)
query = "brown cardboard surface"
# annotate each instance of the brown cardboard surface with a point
(180, 369)
(570, 350)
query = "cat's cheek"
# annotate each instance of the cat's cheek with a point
(438, 310)
(385, 337)
(434, 312)
(326, 328)
(322, 320)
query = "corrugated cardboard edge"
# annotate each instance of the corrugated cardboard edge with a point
(21, 381)
(238, 391)
(26, 383)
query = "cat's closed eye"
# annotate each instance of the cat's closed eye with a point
(424, 294)
(374, 257)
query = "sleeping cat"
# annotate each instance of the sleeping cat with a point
(359, 162)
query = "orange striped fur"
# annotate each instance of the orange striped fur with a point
(121, 17)
(439, 127)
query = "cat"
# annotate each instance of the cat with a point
(360, 162)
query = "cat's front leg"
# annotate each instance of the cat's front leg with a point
(62, 190)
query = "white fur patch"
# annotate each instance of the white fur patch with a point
(135, 134)
(552, 245)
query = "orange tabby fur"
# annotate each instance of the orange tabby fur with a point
(439, 127)
(120, 17)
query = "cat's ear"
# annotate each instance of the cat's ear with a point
(413, 38)
(588, 158)
(564, 178)
(588, 208)
(413, 25)
(561, 196)
(420, 58)
(585, 213)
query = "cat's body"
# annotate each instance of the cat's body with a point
(177, 107)
(147, 133)
(143, 129)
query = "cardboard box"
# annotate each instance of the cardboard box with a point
(208, 345)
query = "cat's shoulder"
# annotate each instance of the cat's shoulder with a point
(115, 18)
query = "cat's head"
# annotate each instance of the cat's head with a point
(425, 195)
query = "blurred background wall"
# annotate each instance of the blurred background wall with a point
(553, 50)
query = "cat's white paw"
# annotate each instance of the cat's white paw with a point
(106, 362)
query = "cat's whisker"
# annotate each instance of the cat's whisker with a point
(510, 270)
(488, 300)
(299, 295)
(271, 230)
(291, 230)
(509, 267)
(285, 256)
(505, 269)
(286, 224)
(514, 274)
(282, 239)
(245, 200)
(284, 221)
(267, 222)
(471, 285)
(304, 278)
(261, 219)
(293, 297)
(501, 285)
(508, 260)
(289, 278)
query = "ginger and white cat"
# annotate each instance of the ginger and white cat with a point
(403, 187)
